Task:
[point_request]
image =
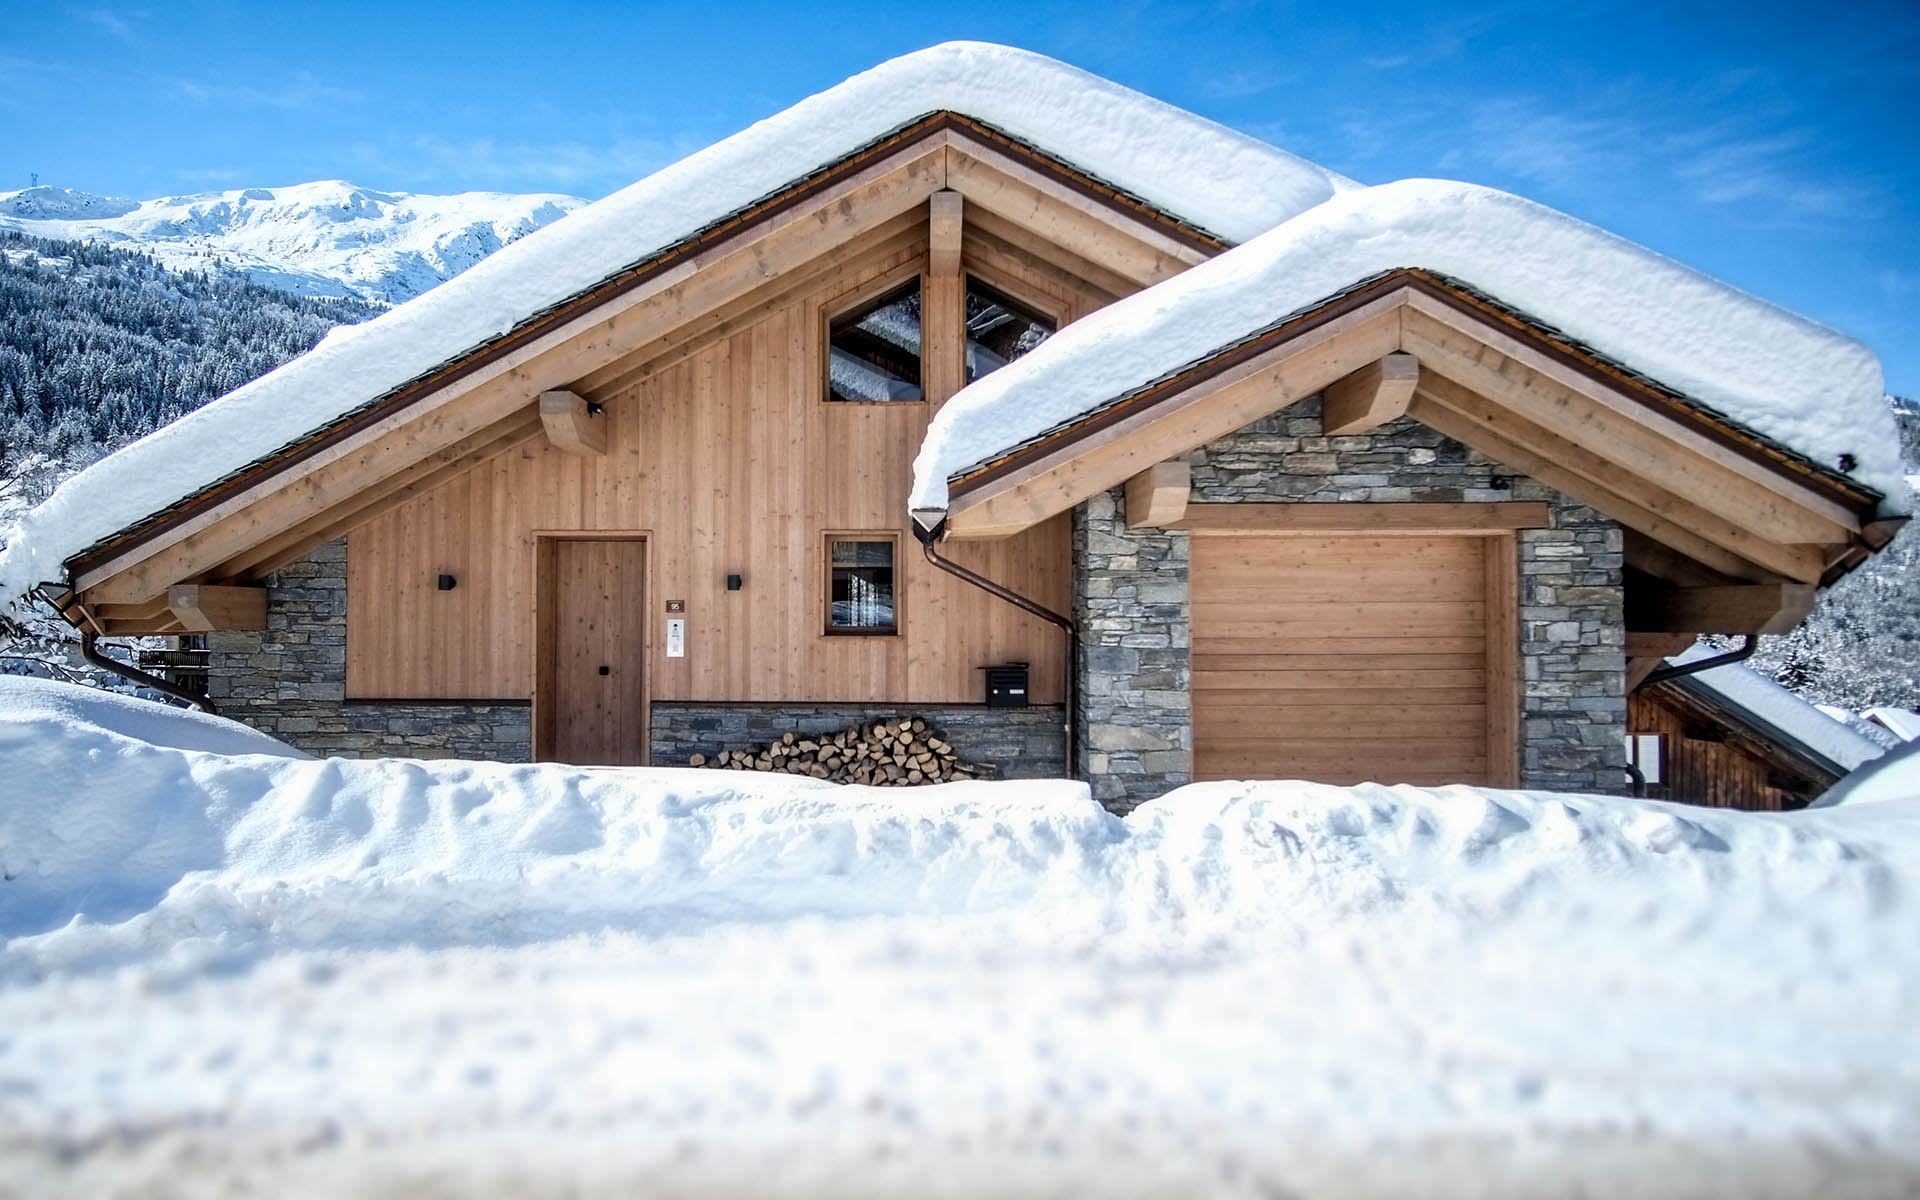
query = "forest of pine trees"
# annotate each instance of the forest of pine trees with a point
(100, 345)
(1861, 646)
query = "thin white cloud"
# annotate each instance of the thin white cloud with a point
(116, 25)
(303, 90)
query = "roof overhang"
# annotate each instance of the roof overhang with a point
(1679, 474)
(483, 403)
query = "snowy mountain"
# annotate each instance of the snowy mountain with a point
(317, 239)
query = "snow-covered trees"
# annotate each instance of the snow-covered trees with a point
(1861, 646)
(100, 345)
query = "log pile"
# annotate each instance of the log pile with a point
(891, 753)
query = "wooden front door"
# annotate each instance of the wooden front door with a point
(593, 685)
(1348, 658)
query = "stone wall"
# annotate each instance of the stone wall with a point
(1131, 599)
(291, 681)
(1135, 718)
(1019, 743)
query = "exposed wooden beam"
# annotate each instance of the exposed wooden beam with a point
(1657, 646)
(1108, 456)
(698, 285)
(1158, 495)
(205, 607)
(1363, 517)
(1655, 448)
(573, 426)
(1068, 219)
(1647, 652)
(1370, 397)
(1662, 561)
(1592, 478)
(1877, 534)
(943, 232)
(1739, 608)
(943, 303)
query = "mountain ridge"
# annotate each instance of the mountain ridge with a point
(326, 238)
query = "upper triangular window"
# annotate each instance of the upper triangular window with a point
(873, 352)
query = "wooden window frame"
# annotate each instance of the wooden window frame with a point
(857, 298)
(827, 539)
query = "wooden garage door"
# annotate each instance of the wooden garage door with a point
(1347, 658)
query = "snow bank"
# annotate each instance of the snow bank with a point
(1776, 373)
(1220, 180)
(148, 844)
(542, 981)
(1894, 776)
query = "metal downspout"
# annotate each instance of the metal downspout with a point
(927, 539)
(93, 654)
(1682, 670)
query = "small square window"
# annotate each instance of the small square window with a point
(862, 596)
(999, 329)
(873, 352)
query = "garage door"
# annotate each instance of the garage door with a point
(1346, 658)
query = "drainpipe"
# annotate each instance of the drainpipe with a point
(90, 650)
(930, 536)
(1750, 645)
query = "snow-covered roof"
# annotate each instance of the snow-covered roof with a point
(1228, 184)
(1774, 708)
(1779, 375)
(1903, 722)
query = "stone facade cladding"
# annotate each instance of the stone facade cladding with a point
(1131, 586)
(290, 681)
(1135, 717)
(1018, 743)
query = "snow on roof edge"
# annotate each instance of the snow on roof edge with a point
(1777, 374)
(1138, 144)
(1776, 708)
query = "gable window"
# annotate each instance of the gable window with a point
(999, 329)
(873, 352)
(862, 588)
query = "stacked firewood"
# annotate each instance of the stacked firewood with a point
(894, 753)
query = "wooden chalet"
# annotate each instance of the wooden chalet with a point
(1410, 534)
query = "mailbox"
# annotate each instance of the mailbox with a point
(1007, 685)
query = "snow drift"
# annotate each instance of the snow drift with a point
(228, 972)
(1776, 373)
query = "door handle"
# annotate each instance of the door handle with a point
(606, 670)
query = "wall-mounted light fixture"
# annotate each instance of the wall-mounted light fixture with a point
(733, 583)
(446, 583)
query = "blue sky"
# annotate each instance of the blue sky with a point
(1775, 146)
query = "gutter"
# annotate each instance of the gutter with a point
(90, 650)
(928, 537)
(1750, 645)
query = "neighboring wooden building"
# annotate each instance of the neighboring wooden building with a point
(671, 512)
(1732, 739)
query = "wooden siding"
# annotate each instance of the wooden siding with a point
(1704, 762)
(724, 455)
(1346, 658)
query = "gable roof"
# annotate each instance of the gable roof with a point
(1753, 366)
(1766, 710)
(1142, 151)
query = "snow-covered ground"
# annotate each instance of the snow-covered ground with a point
(231, 969)
(327, 238)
